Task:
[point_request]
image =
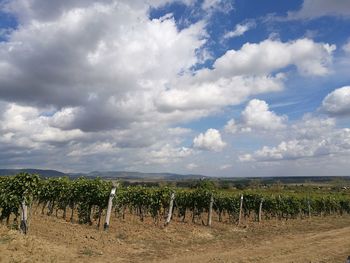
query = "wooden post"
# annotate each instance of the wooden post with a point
(72, 212)
(24, 223)
(260, 208)
(210, 209)
(170, 212)
(309, 208)
(109, 208)
(240, 210)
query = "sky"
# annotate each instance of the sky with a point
(214, 87)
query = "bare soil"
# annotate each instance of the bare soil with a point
(52, 239)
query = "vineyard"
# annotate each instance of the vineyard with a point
(87, 201)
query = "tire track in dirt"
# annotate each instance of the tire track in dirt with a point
(327, 247)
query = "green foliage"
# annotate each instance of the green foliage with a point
(86, 194)
(15, 190)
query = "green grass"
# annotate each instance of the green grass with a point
(5, 239)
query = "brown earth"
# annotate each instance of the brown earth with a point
(53, 239)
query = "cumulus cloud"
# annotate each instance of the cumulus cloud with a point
(27, 136)
(26, 124)
(310, 127)
(217, 5)
(256, 116)
(47, 11)
(231, 126)
(191, 166)
(225, 166)
(309, 137)
(86, 58)
(167, 154)
(310, 58)
(91, 80)
(337, 102)
(312, 9)
(337, 143)
(346, 47)
(239, 30)
(210, 140)
(205, 96)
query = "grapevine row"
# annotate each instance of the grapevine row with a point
(87, 200)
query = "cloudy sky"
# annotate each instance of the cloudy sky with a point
(222, 88)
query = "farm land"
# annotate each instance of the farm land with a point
(139, 235)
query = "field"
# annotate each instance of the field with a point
(208, 224)
(52, 239)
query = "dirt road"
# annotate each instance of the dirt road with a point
(52, 239)
(329, 246)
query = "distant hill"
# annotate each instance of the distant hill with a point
(108, 175)
(140, 176)
(44, 173)
(154, 177)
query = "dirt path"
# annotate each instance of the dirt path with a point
(53, 239)
(330, 246)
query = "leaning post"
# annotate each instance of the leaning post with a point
(170, 212)
(260, 209)
(109, 208)
(24, 217)
(210, 212)
(240, 210)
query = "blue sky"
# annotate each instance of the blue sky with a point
(221, 88)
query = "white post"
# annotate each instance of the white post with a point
(210, 209)
(170, 212)
(24, 223)
(260, 208)
(109, 208)
(240, 210)
(309, 208)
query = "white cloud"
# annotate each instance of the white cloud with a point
(42, 10)
(217, 5)
(102, 148)
(256, 116)
(28, 134)
(231, 126)
(101, 83)
(337, 143)
(310, 127)
(317, 8)
(225, 166)
(167, 154)
(191, 166)
(346, 47)
(24, 121)
(206, 96)
(83, 68)
(239, 30)
(87, 60)
(309, 137)
(309, 57)
(337, 102)
(178, 131)
(210, 140)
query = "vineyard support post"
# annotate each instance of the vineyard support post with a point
(72, 212)
(240, 210)
(171, 205)
(260, 208)
(309, 207)
(210, 209)
(24, 223)
(109, 208)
